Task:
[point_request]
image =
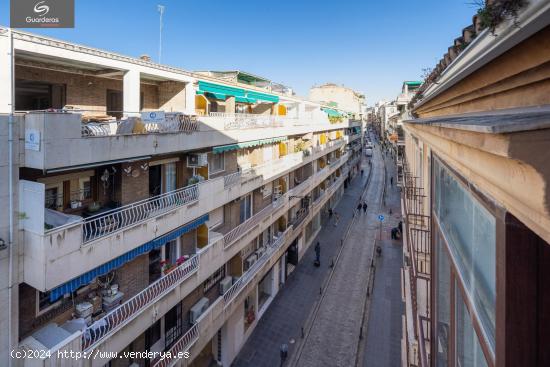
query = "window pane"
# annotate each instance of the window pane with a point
(443, 304)
(170, 176)
(468, 349)
(470, 230)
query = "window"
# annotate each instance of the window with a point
(169, 177)
(470, 233)
(217, 162)
(173, 324)
(85, 188)
(245, 209)
(468, 349)
(443, 329)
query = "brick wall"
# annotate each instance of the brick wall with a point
(87, 92)
(134, 188)
(171, 96)
(133, 276)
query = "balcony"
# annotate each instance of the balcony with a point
(214, 318)
(417, 270)
(55, 256)
(164, 293)
(64, 141)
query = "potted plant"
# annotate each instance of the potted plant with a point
(166, 267)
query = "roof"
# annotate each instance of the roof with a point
(489, 16)
(493, 122)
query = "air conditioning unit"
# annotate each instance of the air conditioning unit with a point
(198, 309)
(250, 261)
(197, 160)
(225, 284)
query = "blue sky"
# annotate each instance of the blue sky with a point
(371, 46)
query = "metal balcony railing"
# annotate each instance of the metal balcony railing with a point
(231, 179)
(249, 121)
(135, 305)
(248, 275)
(181, 346)
(173, 123)
(104, 224)
(237, 232)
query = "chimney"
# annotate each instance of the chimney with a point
(145, 58)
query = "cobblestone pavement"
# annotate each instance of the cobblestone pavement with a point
(382, 346)
(333, 339)
(284, 318)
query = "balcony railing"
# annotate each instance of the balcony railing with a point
(417, 237)
(250, 121)
(104, 224)
(135, 305)
(182, 345)
(231, 179)
(236, 233)
(248, 275)
(173, 123)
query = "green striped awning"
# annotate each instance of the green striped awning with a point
(262, 96)
(219, 91)
(331, 112)
(247, 144)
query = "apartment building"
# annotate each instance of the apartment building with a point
(154, 209)
(339, 96)
(475, 197)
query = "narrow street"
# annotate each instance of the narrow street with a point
(331, 322)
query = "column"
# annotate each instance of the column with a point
(190, 92)
(131, 93)
(5, 71)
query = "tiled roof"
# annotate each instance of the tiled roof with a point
(468, 34)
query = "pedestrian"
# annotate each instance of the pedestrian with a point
(318, 252)
(359, 206)
(365, 206)
(362, 172)
(337, 219)
(391, 180)
(330, 212)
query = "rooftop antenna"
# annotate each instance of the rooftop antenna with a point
(160, 9)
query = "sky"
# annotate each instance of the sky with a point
(370, 46)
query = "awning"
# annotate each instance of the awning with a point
(205, 87)
(86, 278)
(247, 144)
(220, 96)
(264, 97)
(219, 91)
(245, 100)
(331, 112)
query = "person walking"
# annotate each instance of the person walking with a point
(318, 252)
(337, 219)
(359, 206)
(362, 171)
(365, 206)
(391, 180)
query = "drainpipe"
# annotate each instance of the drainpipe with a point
(10, 193)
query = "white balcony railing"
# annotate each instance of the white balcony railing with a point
(135, 305)
(182, 345)
(247, 225)
(250, 121)
(104, 224)
(231, 179)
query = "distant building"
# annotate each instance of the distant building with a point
(338, 96)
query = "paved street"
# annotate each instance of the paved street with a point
(333, 338)
(332, 321)
(286, 315)
(382, 346)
